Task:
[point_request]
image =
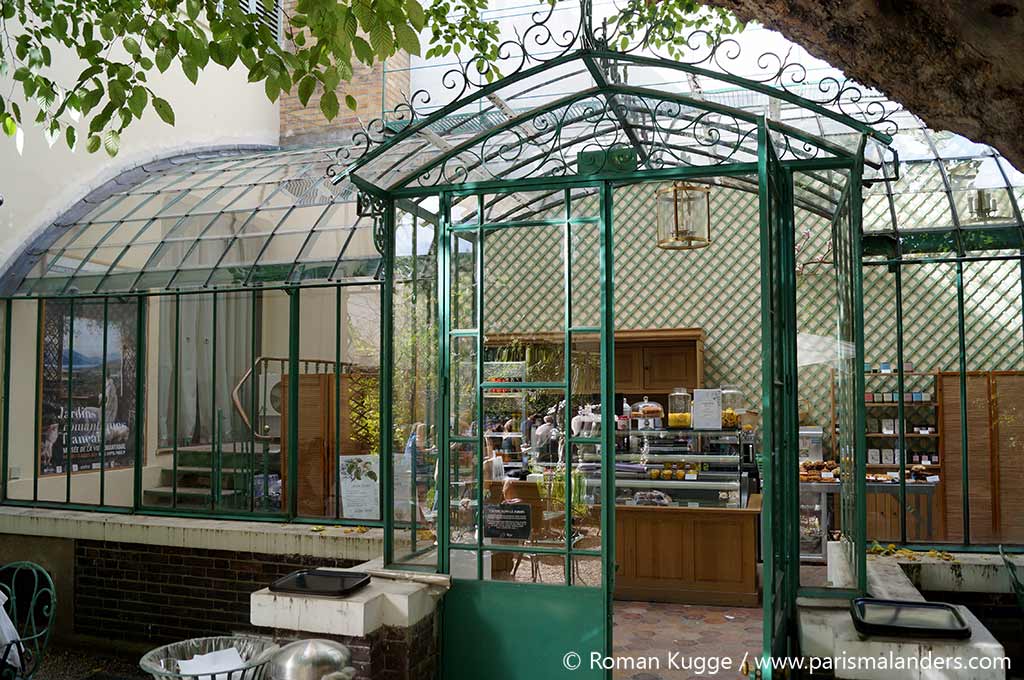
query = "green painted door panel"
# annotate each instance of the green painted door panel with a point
(520, 631)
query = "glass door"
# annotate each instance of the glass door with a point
(525, 363)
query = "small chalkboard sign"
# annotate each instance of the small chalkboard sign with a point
(507, 521)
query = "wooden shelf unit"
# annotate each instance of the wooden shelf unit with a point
(883, 510)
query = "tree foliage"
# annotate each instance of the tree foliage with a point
(114, 45)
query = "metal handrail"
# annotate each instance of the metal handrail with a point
(283, 361)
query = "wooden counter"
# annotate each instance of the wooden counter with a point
(688, 555)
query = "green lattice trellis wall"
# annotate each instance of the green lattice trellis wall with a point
(718, 289)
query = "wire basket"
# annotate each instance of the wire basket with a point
(256, 653)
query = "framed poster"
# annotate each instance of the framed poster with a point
(87, 381)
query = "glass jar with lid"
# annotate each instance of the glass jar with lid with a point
(648, 414)
(680, 409)
(734, 404)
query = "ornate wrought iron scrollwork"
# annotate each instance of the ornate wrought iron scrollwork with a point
(373, 207)
(549, 36)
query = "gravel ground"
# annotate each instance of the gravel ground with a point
(65, 663)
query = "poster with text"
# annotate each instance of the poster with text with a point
(88, 386)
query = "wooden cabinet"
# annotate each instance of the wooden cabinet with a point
(655, 362)
(629, 369)
(687, 555)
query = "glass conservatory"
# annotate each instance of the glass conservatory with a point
(563, 331)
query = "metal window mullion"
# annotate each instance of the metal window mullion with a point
(38, 430)
(215, 428)
(336, 456)
(68, 420)
(385, 384)
(567, 358)
(140, 399)
(443, 432)
(964, 459)
(235, 237)
(341, 252)
(607, 409)
(855, 227)
(900, 409)
(177, 399)
(103, 403)
(7, 400)
(293, 401)
(480, 316)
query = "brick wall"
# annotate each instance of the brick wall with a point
(377, 89)
(150, 593)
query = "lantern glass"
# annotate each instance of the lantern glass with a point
(683, 213)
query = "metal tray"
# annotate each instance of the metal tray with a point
(902, 618)
(322, 582)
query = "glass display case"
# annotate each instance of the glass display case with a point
(682, 468)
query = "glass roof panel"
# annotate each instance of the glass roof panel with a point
(206, 220)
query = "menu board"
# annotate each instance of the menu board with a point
(508, 520)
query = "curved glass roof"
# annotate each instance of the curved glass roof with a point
(951, 196)
(222, 219)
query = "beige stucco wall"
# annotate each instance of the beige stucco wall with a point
(223, 109)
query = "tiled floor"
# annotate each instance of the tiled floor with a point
(697, 633)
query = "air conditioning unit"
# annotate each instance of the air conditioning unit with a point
(271, 394)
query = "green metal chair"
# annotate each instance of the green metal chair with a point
(1015, 579)
(32, 607)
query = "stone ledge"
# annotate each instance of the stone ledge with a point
(394, 603)
(212, 534)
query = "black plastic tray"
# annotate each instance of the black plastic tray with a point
(903, 618)
(322, 582)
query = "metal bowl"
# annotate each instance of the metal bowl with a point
(312, 660)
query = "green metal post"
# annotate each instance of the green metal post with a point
(480, 316)
(103, 404)
(37, 429)
(177, 392)
(293, 401)
(7, 399)
(68, 420)
(336, 455)
(254, 341)
(607, 409)
(140, 399)
(443, 432)
(860, 438)
(900, 409)
(567, 338)
(215, 451)
(962, 345)
(385, 382)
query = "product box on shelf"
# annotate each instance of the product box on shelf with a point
(888, 457)
(874, 457)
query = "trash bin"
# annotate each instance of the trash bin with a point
(256, 653)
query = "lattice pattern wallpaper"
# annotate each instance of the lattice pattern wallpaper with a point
(718, 289)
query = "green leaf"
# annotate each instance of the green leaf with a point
(408, 40)
(70, 136)
(163, 59)
(382, 40)
(131, 46)
(111, 142)
(364, 52)
(306, 87)
(272, 89)
(9, 126)
(92, 145)
(351, 102)
(192, 7)
(414, 10)
(164, 110)
(329, 105)
(190, 69)
(137, 101)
